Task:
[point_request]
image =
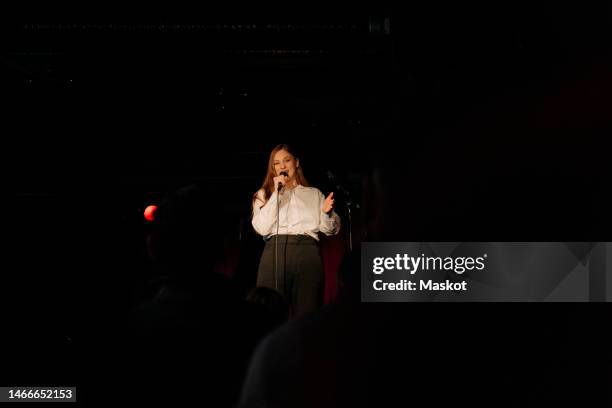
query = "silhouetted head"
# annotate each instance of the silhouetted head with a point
(271, 301)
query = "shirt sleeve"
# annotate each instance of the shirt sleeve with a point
(264, 218)
(328, 224)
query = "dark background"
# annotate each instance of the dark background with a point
(462, 122)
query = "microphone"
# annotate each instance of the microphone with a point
(280, 185)
(332, 179)
(331, 176)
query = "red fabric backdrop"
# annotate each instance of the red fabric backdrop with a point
(332, 252)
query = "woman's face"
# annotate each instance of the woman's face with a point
(284, 161)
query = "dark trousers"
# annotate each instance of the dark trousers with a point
(300, 271)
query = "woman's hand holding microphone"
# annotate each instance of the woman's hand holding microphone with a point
(281, 180)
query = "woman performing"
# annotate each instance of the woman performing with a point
(289, 214)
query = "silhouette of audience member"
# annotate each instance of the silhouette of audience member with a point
(189, 344)
(304, 362)
(272, 305)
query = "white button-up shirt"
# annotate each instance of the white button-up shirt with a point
(300, 213)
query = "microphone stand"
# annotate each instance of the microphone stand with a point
(276, 237)
(349, 206)
(278, 190)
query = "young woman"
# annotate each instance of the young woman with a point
(289, 214)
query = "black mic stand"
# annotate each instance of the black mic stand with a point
(278, 190)
(349, 206)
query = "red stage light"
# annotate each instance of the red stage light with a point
(149, 212)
